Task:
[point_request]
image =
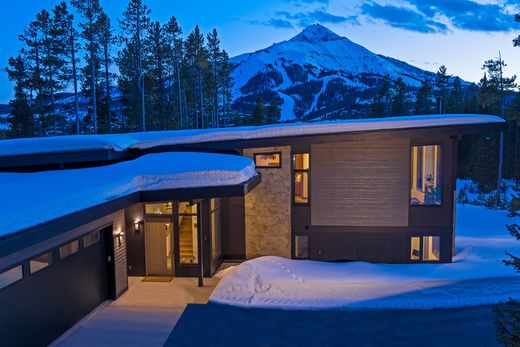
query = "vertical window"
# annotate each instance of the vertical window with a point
(426, 177)
(163, 208)
(301, 170)
(215, 228)
(430, 250)
(40, 262)
(69, 249)
(188, 235)
(10, 276)
(268, 160)
(301, 246)
(90, 239)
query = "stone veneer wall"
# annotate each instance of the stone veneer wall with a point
(268, 209)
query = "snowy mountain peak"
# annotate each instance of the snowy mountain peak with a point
(316, 33)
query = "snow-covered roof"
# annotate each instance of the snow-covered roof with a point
(144, 140)
(30, 199)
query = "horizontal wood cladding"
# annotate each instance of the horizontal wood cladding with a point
(360, 183)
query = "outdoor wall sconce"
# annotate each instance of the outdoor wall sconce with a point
(119, 235)
(137, 227)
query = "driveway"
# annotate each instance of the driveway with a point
(143, 316)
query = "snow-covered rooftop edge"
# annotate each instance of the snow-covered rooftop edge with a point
(31, 199)
(144, 140)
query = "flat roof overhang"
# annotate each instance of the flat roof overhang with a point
(13, 244)
(82, 158)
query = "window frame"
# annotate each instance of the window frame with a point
(70, 254)
(421, 249)
(93, 243)
(52, 262)
(296, 247)
(159, 215)
(293, 181)
(279, 166)
(24, 274)
(441, 171)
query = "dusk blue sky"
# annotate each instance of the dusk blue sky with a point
(460, 34)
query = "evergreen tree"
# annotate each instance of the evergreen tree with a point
(423, 102)
(273, 113)
(214, 60)
(195, 63)
(173, 32)
(456, 97)
(399, 103)
(21, 116)
(258, 116)
(90, 11)
(226, 95)
(380, 105)
(135, 26)
(442, 81)
(106, 40)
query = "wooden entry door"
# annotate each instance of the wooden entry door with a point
(159, 248)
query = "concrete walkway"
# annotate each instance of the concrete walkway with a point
(143, 316)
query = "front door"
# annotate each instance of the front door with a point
(159, 248)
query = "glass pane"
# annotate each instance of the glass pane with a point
(188, 239)
(69, 249)
(169, 243)
(90, 239)
(163, 208)
(301, 246)
(11, 276)
(301, 187)
(415, 253)
(186, 208)
(301, 161)
(215, 233)
(41, 262)
(431, 248)
(268, 160)
(214, 203)
(426, 175)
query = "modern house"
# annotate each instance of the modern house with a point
(82, 213)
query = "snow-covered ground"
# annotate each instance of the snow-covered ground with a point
(477, 276)
(149, 139)
(29, 199)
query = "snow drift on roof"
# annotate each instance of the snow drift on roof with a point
(30, 199)
(143, 140)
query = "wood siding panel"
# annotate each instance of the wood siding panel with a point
(360, 183)
(120, 252)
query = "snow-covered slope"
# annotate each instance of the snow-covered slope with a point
(301, 66)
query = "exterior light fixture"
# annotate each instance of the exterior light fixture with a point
(137, 226)
(119, 235)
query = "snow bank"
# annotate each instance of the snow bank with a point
(144, 140)
(477, 276)
(29, 199)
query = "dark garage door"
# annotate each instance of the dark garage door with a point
(39, 308)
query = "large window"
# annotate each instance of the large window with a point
(425, 248)
(162, 208)
(10, 276)
(188, 226)
(426, 185)
(40, 262)
(301, 170)
(268, 160)
(215, 227)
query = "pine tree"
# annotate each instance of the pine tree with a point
(507, 316)
(273, 113)
(173, 32)
(442, 81)
(380, 104)
(399, 103)
(456, 97)
(106, 40)
(214, 60)
(423, 102)
(258, 116)
(226, 86)
(195, 62)
(21, 115)
(135, 26)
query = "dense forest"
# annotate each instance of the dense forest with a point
(153, 76)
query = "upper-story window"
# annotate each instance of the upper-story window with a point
(426, 180)
(268, 160)
(301, 171)
(161, 208)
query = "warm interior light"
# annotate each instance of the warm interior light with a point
(137, 226)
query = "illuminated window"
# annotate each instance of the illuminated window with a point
(430, 250)
(426, 185)
(10, 276)
(163, 208)
(40, 262)
(301, 170)
(301, 246)
(90, 239)
(188, 233)
(69, 249)
(268, 160)
(216, 245)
